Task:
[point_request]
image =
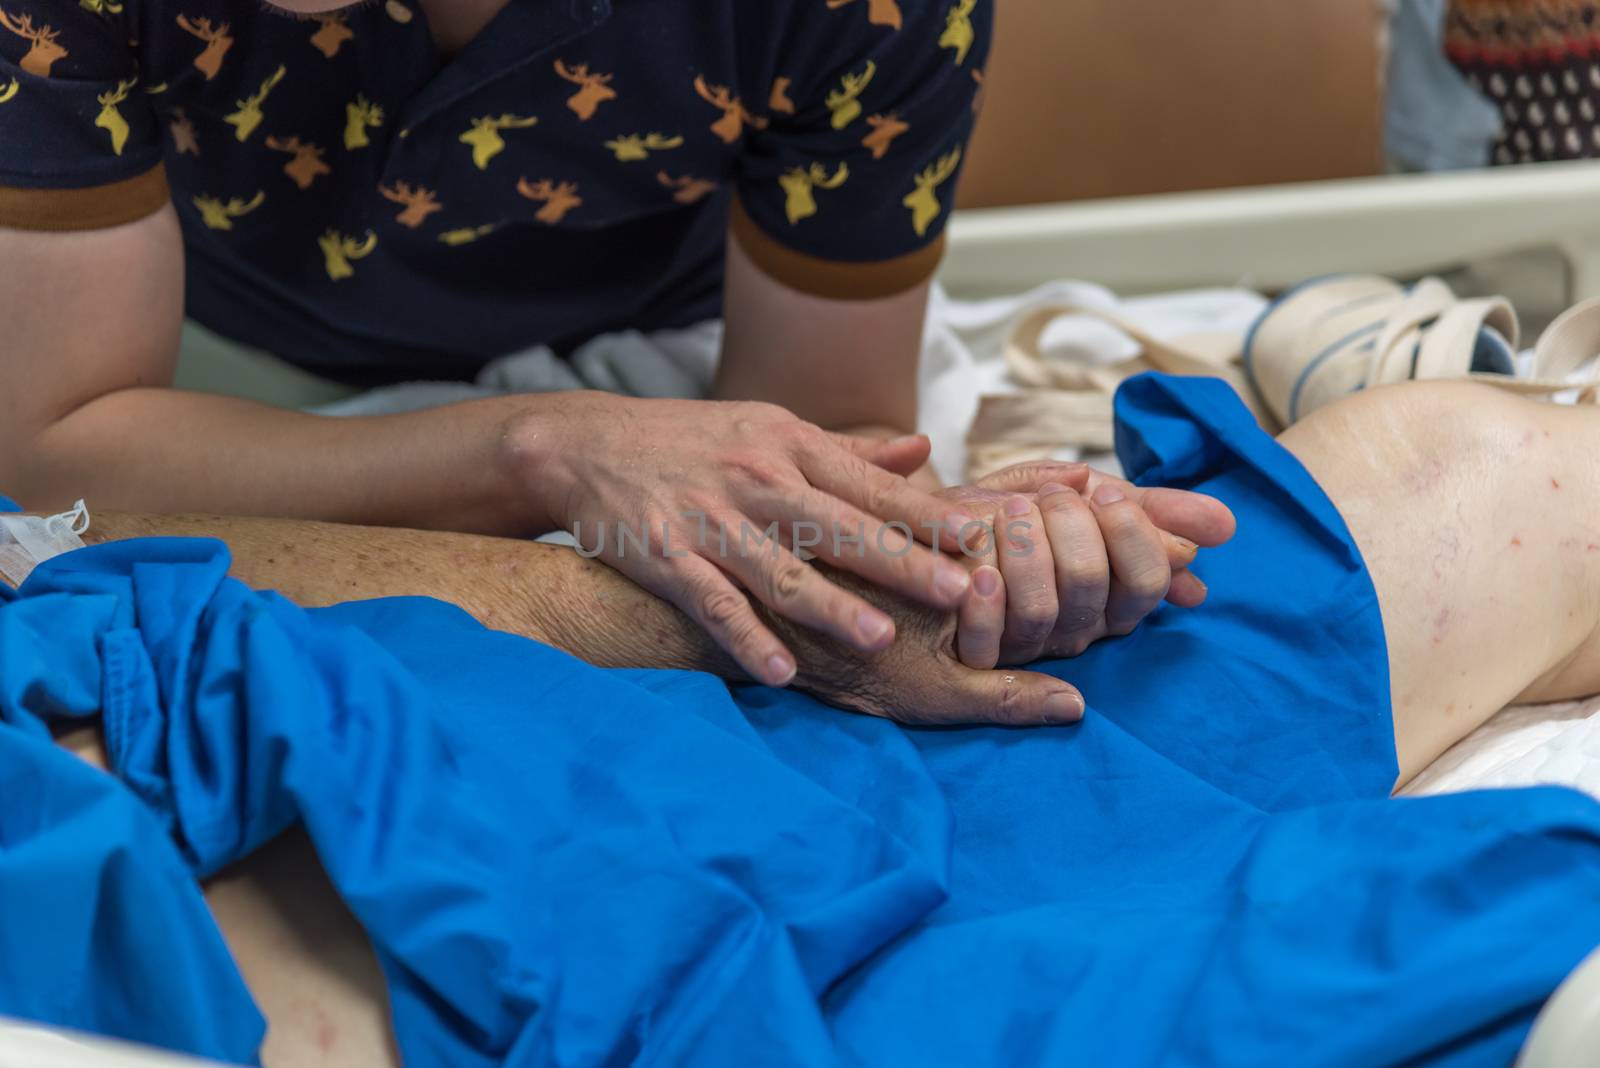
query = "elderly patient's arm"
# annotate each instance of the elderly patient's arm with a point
(552, 594)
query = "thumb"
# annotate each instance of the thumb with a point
(902, 455)
(1010, 698)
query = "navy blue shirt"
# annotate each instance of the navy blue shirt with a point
(371, 210)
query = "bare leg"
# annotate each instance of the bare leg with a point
(1479, 517)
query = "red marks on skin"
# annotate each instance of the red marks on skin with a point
(1593, 548)
(327, 1034)
(1441, 625)
(1516, 542)
(1554, 484)
(1527, 438)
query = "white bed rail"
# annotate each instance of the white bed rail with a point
(1274, 236)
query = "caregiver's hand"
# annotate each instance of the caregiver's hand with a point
(1078, 555)
(919, 680)
(707, 479)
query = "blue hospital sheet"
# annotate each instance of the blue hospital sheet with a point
(561, 865)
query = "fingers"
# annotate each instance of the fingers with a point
(705, 594)
(884, 496)
(1082, 569)
(1139, 567)
(1187, 591)
(1027, 565)
(1007, 698)
(1196, 517)
(1032, 476)
(902, 455)
(798, 592)
(981, 625)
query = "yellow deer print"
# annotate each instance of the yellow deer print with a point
(958, 29)
(485, 139)
(217, 43)
(558, 199)
(12, 88)
(843, 103)
(688, 189)
(110, 119)
(731, 126)
(779, 100)
(306, 166)
(43, 51)
(219, 216)
(798, 184)
(420, 203)
(101, 7)
(924, 201)
(879, 12)
(248, 117)
(593, 89)
(634, 147)
(467, 234)
(357, 117)
(398, 11)
(184, 142)
(338, 251)
(333, 34)
(885, 128)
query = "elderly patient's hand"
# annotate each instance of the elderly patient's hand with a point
(1078, 555)
(919, 680)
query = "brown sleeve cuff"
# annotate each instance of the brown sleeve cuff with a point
(95, 208)
(832, 279)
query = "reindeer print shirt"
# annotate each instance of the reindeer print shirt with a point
(358, 204)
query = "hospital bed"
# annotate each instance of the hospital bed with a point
(1264, 239)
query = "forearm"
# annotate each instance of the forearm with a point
(545, 592)
(165, 450)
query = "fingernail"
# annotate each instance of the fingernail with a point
(986, 580)
(951, 581)
(1018, 506)
(1203, 587)
(957, 523)
(1063, 707)
(871, 625)
(1108, 494)
(1050, 489)
(780, 670)
(1187, 547)
(904, 440)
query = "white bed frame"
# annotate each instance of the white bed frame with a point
(1273, 237)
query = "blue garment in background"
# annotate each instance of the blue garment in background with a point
(563, 865)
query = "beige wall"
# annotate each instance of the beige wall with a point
(1092, 98)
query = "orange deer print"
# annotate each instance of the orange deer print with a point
(977, 98)
(248, 117)
(338, 251)
(13, 87)
(843, 103)
(558, 199)
(958, 32)
(731, 126)
(485, 139)
(183, 139)
(110, 119)
(779, 98)
(885, 128)
(633, 147)
(219, 216)
(217, 42)
(43, 51)
(420, 203)
(798, 184)
(879, 12)
(593, 89)
(306, 166)
(333, 34)
(923, 201)
(357, 117)
(688, 189)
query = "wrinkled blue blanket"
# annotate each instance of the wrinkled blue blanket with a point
(568, 866)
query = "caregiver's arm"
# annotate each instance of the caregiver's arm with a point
(552, 594)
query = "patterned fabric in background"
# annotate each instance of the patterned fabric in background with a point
(1538, 61)
(374, 211)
